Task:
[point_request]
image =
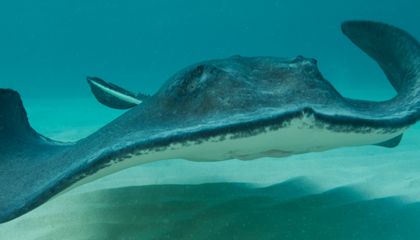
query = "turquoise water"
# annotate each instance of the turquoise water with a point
(49, 47)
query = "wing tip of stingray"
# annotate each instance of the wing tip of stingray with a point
(110, 95)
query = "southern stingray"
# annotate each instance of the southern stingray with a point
(239, 107)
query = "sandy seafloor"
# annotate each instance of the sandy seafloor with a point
(364, 192)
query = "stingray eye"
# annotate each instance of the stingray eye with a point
(297, 59)
(191, 81)
(200, 69)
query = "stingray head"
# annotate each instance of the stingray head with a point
(237, 85)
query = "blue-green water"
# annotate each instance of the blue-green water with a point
(47, 48)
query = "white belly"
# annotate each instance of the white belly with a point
(297, 137)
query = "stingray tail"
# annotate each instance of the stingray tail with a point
(397, 53)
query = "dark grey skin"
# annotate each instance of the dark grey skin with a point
(226, 103)
(120, 100)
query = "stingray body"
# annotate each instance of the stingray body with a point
(243, 108)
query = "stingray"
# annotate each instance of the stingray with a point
(236, 108)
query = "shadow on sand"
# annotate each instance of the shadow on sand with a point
(288, 210)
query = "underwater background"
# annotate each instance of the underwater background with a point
(47, 48)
